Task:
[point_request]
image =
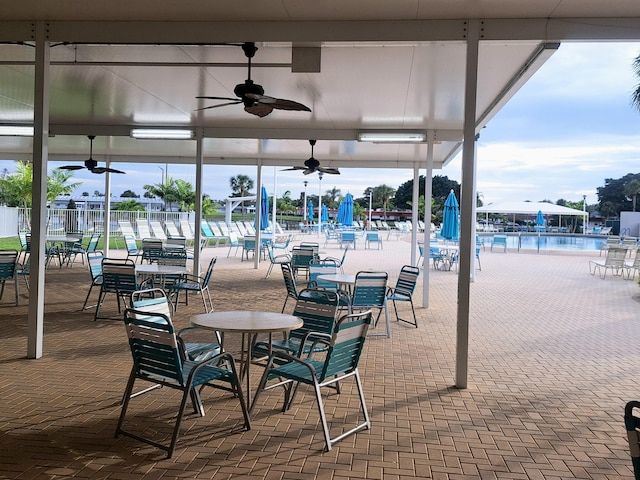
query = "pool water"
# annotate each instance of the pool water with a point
(551, 242)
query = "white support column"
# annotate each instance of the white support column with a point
(275, 198)
(35, 315)
(428, 193)
(414, 214)
(107, 209)
(198, 206)
(474, 206)
(467, 201)
(258, 238)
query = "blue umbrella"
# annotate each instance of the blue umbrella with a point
(450, 217)
(264, 210)
(340, 214)
(310, 211)
(540, 221)
(348, 210)
(325, 214)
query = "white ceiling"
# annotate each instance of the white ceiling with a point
(384, 65)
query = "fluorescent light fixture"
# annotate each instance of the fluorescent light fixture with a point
(400, 136)
(162, 133)
(16, 131)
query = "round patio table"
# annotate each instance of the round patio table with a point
(247, 323)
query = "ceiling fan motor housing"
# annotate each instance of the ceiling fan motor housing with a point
(248, 87)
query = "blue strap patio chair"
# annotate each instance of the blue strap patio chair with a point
(317, 309)
(151, 250)
(190, 283)
(94, 260)
(8, 267)
(300, 257)
(132, 248)
(276, 259)
(340, 362)
(632, 424)
(339, 261)
(234, 242)
(499, 241)
(369, 292)
(158, 358)
(118, 278)
(318, 267)
(153, 301)
(403, 291)
(347, 238)
(372, 238)
(289, 283)
(249, 245)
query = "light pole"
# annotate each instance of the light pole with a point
(163, 182)
(584, 214)
(370, 196)
(304, 204)
(320, 205)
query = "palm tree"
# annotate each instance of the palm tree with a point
(15, 189)
(333, 194)
(383, 194)
(241, 186)
(632, 189)
(167, 191)
(635, 95)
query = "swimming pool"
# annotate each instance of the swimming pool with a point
(529, 241)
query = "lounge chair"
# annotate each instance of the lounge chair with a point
(632, 266)
(499, 241)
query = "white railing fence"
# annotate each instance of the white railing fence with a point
(87, 221)
(8, 222)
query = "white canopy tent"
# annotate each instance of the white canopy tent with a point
(531, 208)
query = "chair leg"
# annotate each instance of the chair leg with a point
(269, 271)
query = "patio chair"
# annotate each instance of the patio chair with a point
(613, 261)
(289, 283)
(249, 245)
(319, 267)
(153, 301)
(300, 257)
(276, 259)
(612, 241)
(132, 248)
(348, 238)
(172, 229)
(94, 260)
(373, 238)
(185, 230)
(632, 425)
(318, 310)
(234, 242)
(25, 246)
(157, 230)
(370, 291)
(158, 358)
(8, 266)
(632, 266)
(339, 363)
(403, 291)
(439, 258)
(151, 250)
(194, 284)
(499, 241)
(339, 261)
(176, 258)
(126, 228)
(119, 278)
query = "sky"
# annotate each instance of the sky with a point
(563, 133)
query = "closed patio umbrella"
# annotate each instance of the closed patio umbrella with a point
(264, 210)
(540, 221)
(325, 214)
(310, 211)
(348, 210)
(450, 217)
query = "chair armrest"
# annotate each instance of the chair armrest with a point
(285, 255)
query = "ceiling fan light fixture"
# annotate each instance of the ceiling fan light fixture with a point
(162, 133)
(16, 131)
(392, 137)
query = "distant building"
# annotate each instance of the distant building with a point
(97, 203)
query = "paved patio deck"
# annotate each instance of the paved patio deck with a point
(553, 358)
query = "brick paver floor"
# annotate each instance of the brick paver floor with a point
(553, 353)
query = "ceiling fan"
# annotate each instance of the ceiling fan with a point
(90, 164)
(252, 95)
(312, 165)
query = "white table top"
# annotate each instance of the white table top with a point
(246, 321)
(343, 278)
(155, 269)
(63, 238)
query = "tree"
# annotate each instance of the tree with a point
(632, 189)
(241, 186)
(167, 192)
(16, 188)
(383, 194)
(85, 194)
(635, 95)
(185, 195)
(129, 194)
(149, 195)
(129, 206)
(612, 198)
(332, 196)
